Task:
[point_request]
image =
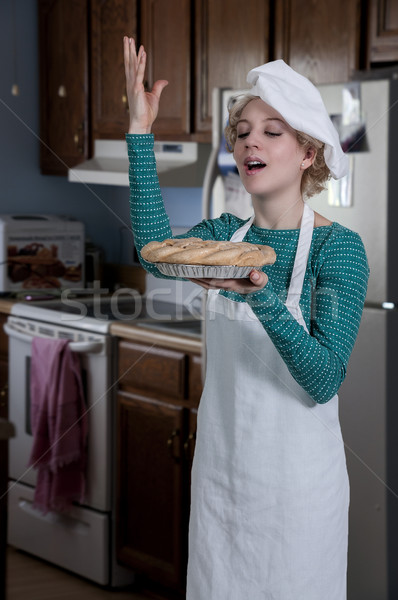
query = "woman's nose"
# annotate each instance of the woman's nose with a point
(253, 140)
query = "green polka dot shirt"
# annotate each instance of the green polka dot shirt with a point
(334, 287)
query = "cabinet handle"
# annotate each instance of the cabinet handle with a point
(189, 446)
(125, 102)
(77, 140)
(171, 445)
(62, 91)
(3, 395)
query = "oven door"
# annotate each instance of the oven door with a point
(95, 353)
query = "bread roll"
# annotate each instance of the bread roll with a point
(194, 251)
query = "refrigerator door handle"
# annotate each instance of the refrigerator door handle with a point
(208, 182)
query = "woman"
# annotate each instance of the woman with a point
(269, 481)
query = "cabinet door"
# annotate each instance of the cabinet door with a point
(153, 371)
(189, 444)
(3, 454)
(319, 39)
(195, 378)
(231, 38)
(3, 369)
(166, 35)
(150, 488)
(110, 21)
(63, 84)
(383, 31)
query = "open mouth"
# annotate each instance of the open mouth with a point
(254, 165)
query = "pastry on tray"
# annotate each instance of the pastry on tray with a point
(207, 258)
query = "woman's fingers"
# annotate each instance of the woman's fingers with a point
(126, 53)
(128, 57)
(134, 65)
(143, 106)
(141, 64)
(158, 87)
(257, 280)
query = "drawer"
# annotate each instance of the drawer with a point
(195, 378)
(152, 369)
(78, 541)
(3, 338)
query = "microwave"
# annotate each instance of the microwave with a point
(41, 252)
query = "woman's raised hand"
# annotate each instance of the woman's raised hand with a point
(143, 106)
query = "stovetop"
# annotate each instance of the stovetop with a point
(96, 313)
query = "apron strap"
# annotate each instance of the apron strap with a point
(236, 237)
(241, 232)
(301, 259)
(302, 253)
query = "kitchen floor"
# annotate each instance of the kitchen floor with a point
(28, 577)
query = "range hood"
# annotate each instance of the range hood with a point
(178, 164)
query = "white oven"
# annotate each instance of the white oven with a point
(83, 541)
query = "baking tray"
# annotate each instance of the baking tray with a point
(203, 271)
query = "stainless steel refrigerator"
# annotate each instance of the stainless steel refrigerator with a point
(366, 114)
(368, 204)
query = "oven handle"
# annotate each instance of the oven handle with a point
(81, 347)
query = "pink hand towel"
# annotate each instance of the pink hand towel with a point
(59, 425)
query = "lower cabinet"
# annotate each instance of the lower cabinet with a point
(159, 390)
(3, 453)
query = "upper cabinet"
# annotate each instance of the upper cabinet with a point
(110, 21)
(64, 89)
(320, 40)
(165, 32)
(383, 32)
(230, 39)
(196, 45)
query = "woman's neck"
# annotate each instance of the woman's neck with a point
(277, 213)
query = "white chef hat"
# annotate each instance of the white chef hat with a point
(299, 102)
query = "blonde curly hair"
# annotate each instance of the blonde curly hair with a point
(314, 178)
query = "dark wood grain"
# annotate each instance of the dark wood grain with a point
(321, 40)
(3, 454)
(150, 537)
(159, 391)
(230, 39)
(155, 370)
(383, 31)
(64, 94)
(166, 35)
(111, 20)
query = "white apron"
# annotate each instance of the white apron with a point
(269, 508)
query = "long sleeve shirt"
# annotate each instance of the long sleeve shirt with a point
(334, 286)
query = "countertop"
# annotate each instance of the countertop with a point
(138, 333)
(132, 331)
(6, 304)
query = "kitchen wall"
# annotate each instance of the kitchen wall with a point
(103, 209)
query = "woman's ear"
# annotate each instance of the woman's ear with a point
(310, 154)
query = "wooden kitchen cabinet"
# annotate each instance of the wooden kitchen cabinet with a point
(110, 21)
(3, 369)
(196, 45)
(3, 453)
(165, 32)
(383, 32)
(230, 39)
(158, 395)
(64, 92)
(321, 40)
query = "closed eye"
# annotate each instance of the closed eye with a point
(271, 134)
